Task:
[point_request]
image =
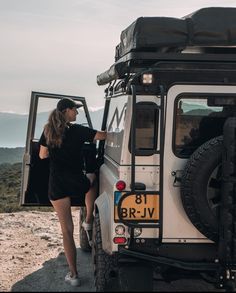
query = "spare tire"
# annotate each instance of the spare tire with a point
(200, 187)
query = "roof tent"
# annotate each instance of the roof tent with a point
(207, 27)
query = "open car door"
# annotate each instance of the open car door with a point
(35, 172)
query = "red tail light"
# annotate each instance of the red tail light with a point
(119, 240)
(120, 185)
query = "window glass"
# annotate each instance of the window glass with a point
(45, 107)
(147, 116)
(196, 122)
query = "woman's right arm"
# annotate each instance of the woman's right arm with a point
(100, 135)
(43, 152)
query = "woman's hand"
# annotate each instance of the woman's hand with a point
(100, 135)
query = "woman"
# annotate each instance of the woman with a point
(63, 142)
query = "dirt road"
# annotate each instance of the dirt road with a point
(31, 254)
(32, 258)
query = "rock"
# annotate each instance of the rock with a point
(45, 237)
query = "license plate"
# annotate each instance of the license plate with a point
(139, 207)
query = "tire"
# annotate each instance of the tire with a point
(200, 187)
(105, 265)
(136, 277)
(84, 244)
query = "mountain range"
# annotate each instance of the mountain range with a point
(13, 127)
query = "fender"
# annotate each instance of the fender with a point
(104, 207)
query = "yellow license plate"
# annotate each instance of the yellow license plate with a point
(139, 207)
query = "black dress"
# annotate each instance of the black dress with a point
(66, 163)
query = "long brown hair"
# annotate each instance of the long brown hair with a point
(54, 129)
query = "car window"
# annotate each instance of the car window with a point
(195, 123)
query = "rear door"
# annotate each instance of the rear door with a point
(191, 121)
(35, 172)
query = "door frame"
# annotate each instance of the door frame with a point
(31, 131)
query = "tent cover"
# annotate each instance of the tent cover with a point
(214, 26)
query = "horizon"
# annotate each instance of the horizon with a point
(91, 109)
(13, 126)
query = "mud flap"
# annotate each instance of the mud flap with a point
(136, 277)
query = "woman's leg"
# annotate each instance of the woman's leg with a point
(90, 198)
(63, 210)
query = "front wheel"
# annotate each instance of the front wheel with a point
(105, 265)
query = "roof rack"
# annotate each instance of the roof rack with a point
(136, 61)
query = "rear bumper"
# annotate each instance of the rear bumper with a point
(167, 261)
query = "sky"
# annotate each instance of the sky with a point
(60, 46)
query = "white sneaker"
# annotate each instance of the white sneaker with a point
(73, 281)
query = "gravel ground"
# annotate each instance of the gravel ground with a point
(32, 258)
(31, 254)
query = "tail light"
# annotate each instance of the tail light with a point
(119, 240)
(120, 185)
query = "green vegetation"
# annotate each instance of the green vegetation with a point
(11, 155)
(10, 184)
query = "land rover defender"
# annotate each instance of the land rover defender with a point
(166, 201)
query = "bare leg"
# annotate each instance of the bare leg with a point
(63, 209)
(90, 198)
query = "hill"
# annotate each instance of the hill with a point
(11, 155)
(13, 127)
(10, 184)
(10, 181)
